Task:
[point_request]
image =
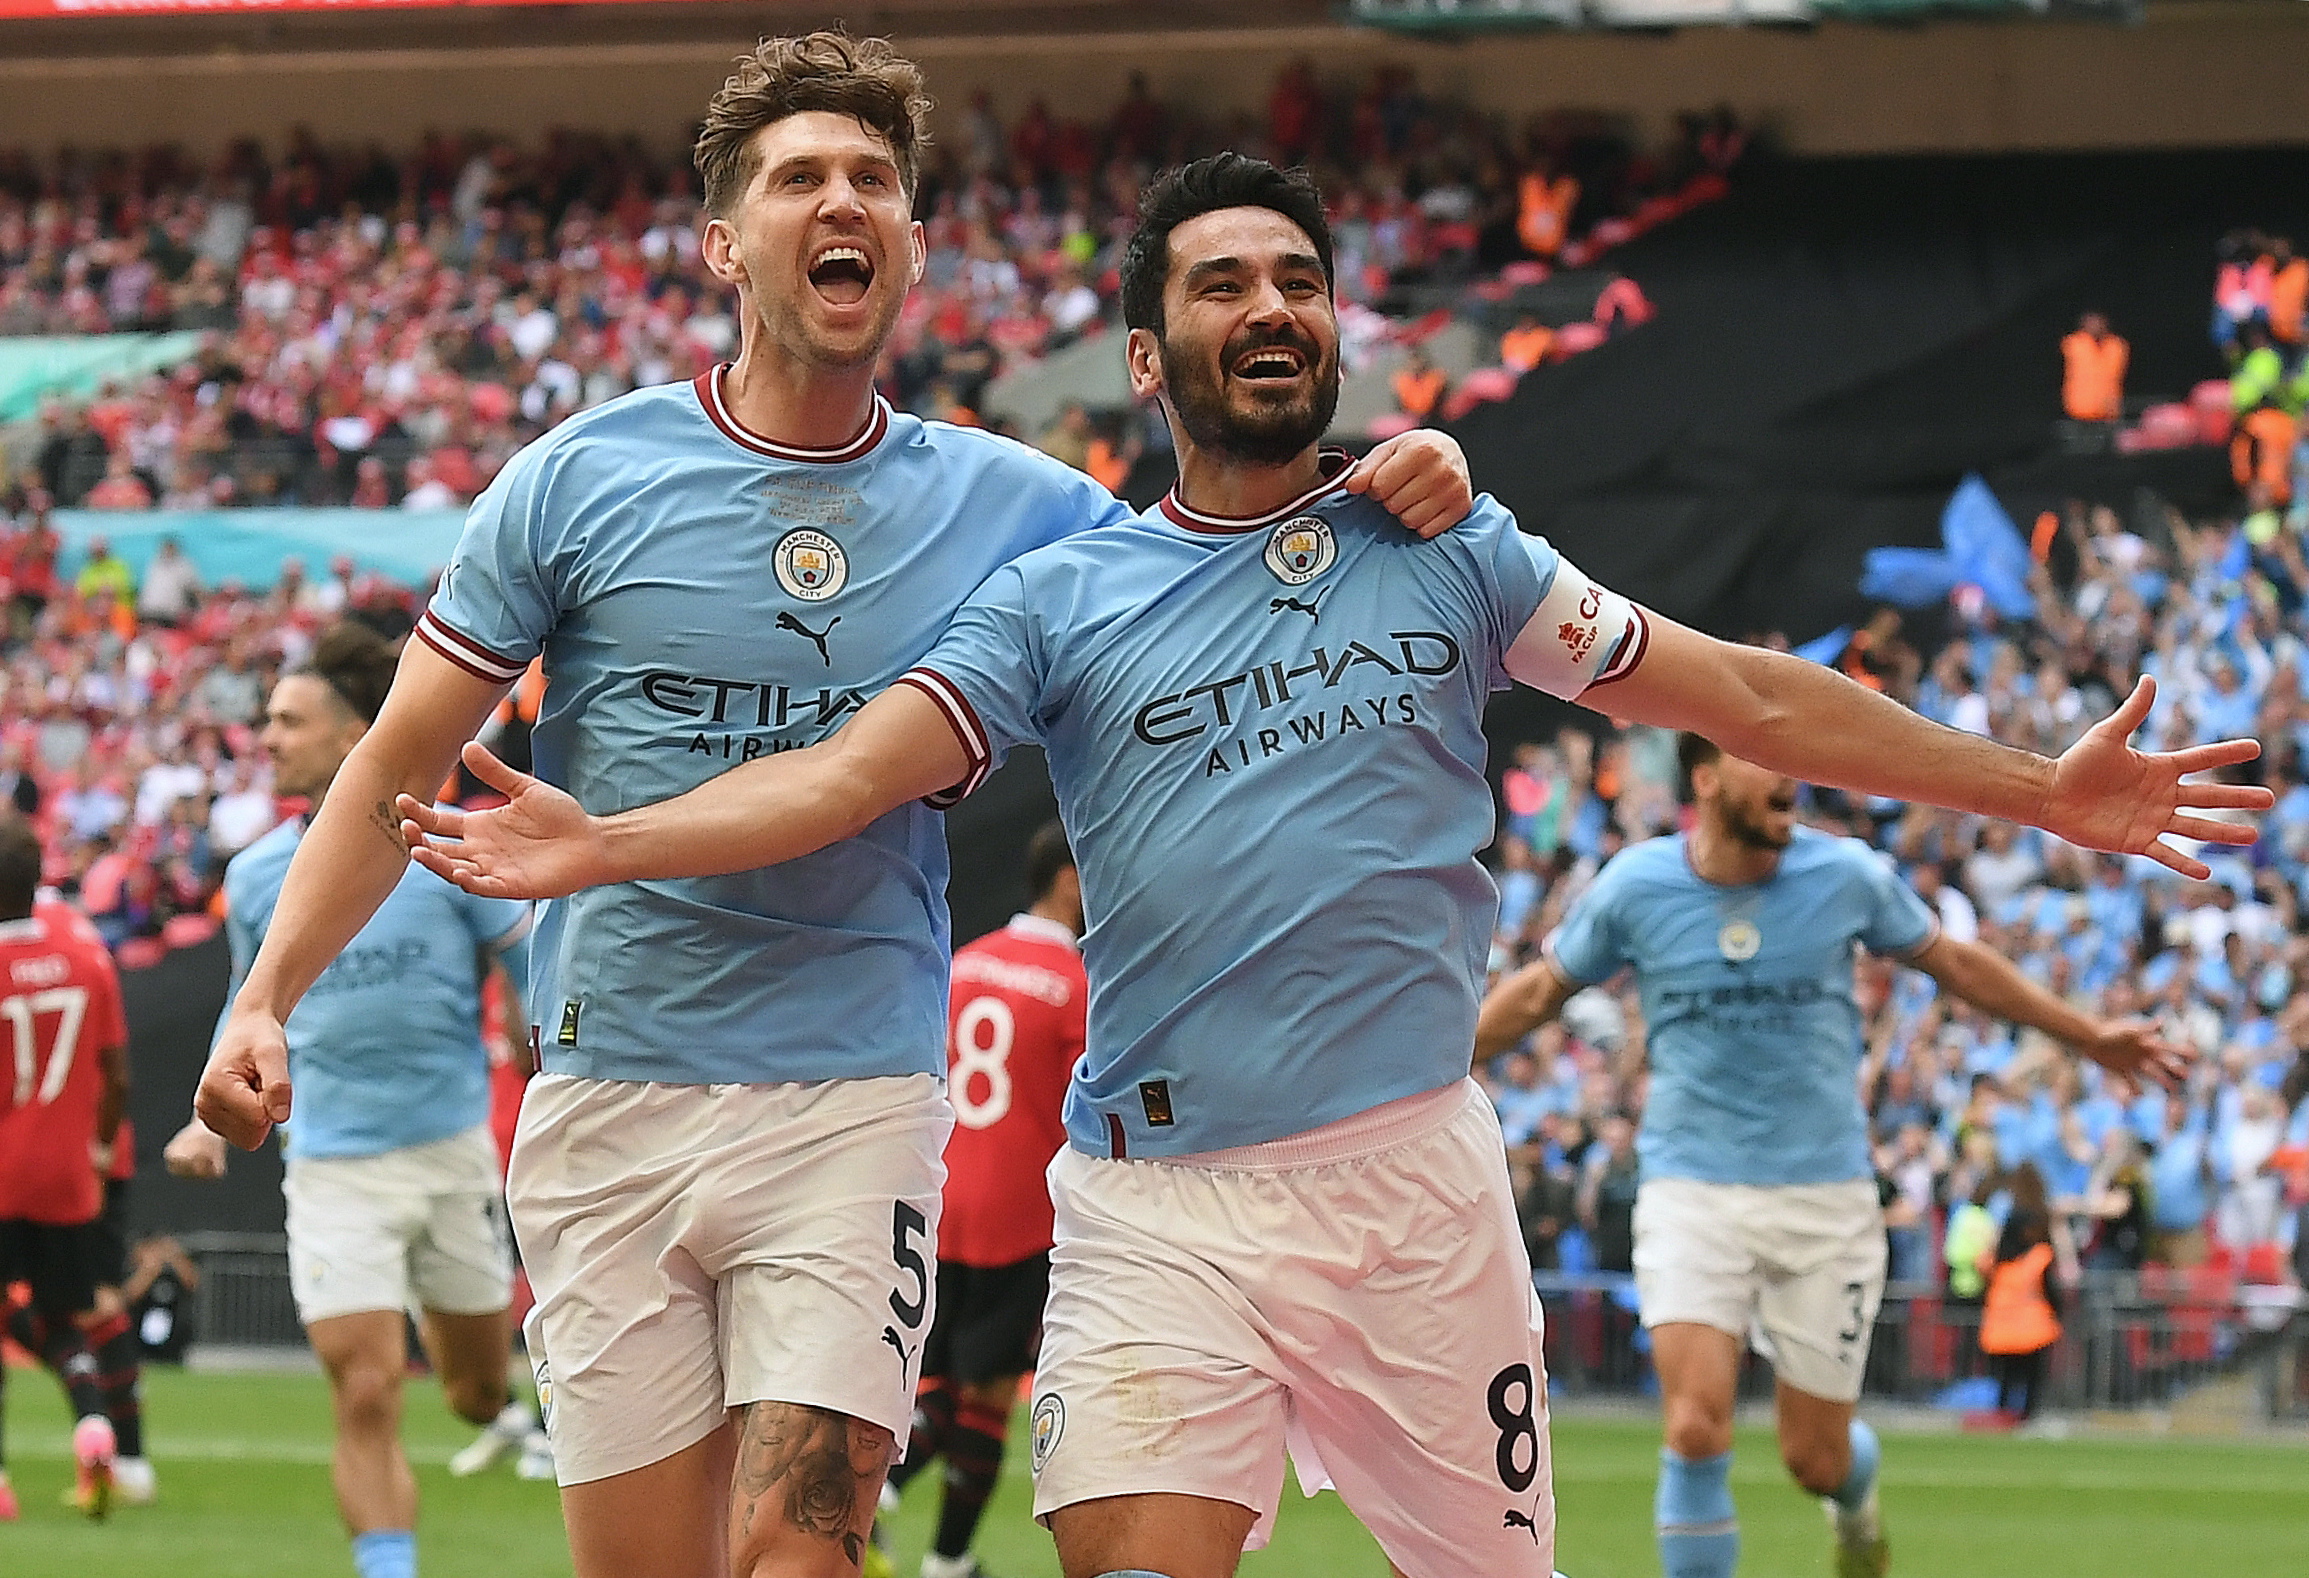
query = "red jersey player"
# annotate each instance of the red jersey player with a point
(63, 1087)
(1014, 1030)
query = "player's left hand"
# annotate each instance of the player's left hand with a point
(2134, 1052)
(2108, 796)
(539, 844)
(1422, 479)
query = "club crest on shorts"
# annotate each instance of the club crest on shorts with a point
(1301, 549)
(1048, 1425)
(810, 565)
(1739, 940)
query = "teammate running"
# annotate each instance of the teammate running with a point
(726, 1184)
(391, 1174)
(1758, 1208)
(62, 1093)
(1284, 1212)
(1014, 1031)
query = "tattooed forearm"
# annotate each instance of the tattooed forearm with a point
(822, 1469)
(388, 822)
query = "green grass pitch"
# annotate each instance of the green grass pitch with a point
(244, 1490)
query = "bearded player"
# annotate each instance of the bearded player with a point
(1758, 1208)
(1014, 1031)
(62, 1094)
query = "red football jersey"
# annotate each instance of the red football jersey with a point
(60, 1010)
(1014, 1027)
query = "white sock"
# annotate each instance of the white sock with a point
(937, 1566)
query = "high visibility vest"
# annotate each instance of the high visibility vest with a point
(2262, 451)
(2093, 389)
(1418, 393)
(2288, 295)
(2016, 1317)
(1543, 212)
(1520, 350)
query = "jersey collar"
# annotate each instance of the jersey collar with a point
(1042, 930)
(709, 392)
(1335, 464)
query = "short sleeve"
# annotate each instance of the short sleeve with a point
(1896, 923)
(1588, 947)
(111, 1028)
(986, 676)
(496, 924)
(494, 606)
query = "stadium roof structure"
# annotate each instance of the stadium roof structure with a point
(59, 27)
(1446, 17)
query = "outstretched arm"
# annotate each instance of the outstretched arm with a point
(1812, 723)
(542, 845)
(1520, 1004)
(2130, 1049)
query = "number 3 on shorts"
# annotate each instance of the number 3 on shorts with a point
(906, 1223)
(1518, 1452)
(1857, 1292)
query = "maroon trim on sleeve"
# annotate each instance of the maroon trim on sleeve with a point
(466, 653)
(1620, 668)
(962, 718)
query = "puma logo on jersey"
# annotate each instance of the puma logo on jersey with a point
(1313, 610)
(905, 1354)
(817, 638)
(1518, 1520)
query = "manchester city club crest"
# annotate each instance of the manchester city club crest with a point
(810, 565)
(1739, 940)
(1301, 549)
(1049, 1424)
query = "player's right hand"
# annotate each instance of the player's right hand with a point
(195, 1151)
(244, 1090)
(539, 844)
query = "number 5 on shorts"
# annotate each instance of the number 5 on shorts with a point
(907, 1223)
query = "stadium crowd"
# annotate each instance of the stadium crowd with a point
(129, 711)
(2220, 1172)
(385, 328)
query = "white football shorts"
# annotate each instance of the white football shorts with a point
(698, 1247)
(1797, 1269)
(422, 1227)
(1358, 1295)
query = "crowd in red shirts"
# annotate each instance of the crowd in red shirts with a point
(386, 327)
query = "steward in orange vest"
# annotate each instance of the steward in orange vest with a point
(2093, 384)
(2017, 1317)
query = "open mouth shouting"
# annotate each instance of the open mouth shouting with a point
(1273, 364)
(842, 273)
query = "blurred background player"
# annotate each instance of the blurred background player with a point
(1758, 1206)
(1014, 1030)
(391, 1172)
(62, 1093)
(134, 1482)
(512, 1064)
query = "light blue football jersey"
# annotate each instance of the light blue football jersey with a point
(1267, 742)
(1754, 1036)
(385, 1050)
(702, 597)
